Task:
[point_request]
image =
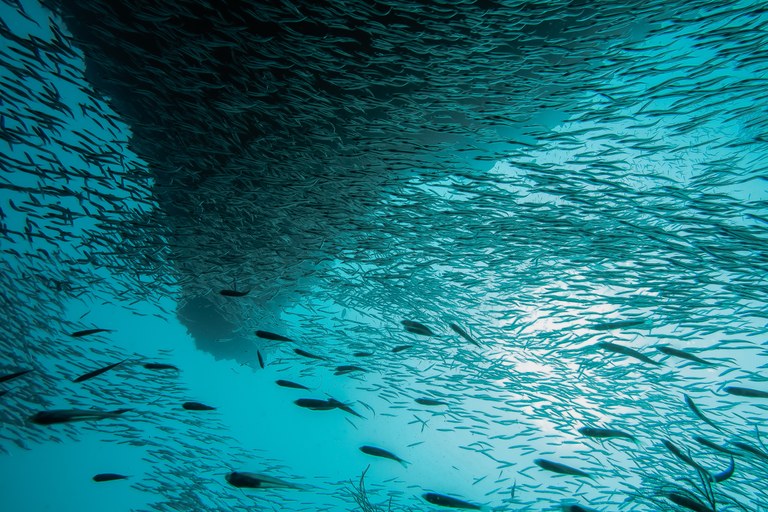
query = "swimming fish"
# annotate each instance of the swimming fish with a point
(160, 366)
(464, 334)
(621, 349)
(450, 502)
(726, 474)
(87, 332)
(324, 405)
(96, 373)
(271, 336)
(378, 452)
(345, 369)
(245, 480)
(416, 328)
(261, 359)
(400, 348)
(362, 354)
(71, 415)
(577, 508)
(684, 355)
(713, 446)
(11, 376)
(697, 412)
(234, 293)
(289, 384)
(619, 324)
(689, 503)
(429, 402)
(108, 477)
(746, 392)
(605, 433)
(557, 467)
(309, 355)
(197, 406)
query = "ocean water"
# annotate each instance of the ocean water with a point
(511, 222)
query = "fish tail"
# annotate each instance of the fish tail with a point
(121, 411)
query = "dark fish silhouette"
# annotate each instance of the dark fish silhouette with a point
(11, 376)
(400, 348)
(464, 334)
(271, 336)
(621, 349)
(71, 415)
(449, 501)
(378, 452)
(362, 354)
(429, 401)
(96, 373)
(245, 480)
(234, 293)
(697, 412)
(577, 508)
(745, 392)
(309, 355)
(289, 384)
(689, 503)
(87, 332)
(261, 359)
(324, 405)
(345, 369)
(557, 467)
(683, 355)
(605, 433)
(197, 406)
(160, 366)
(713, 446)
(108, 477)
(416, 328)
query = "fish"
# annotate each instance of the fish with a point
(362, 354)
(234, 293)
(378, 452)
(11, 376)
(605, 433)
(108, 477)
(324, 405)
(619, 324)
(562, 469)
(713, 446)
(429, 402)
(88, 332)
(461, 332)
(309, 355)
(160, 366)
(96, 373)
(449, 501)
(751, 449)
(400, 348)
(577, 508)
(677, 452)
(245, 480)
(697, 412)
(289, 384)
(725, 474)
(416, 328)
(55, 416)
(271, 336)
(621, 349)
(745, 392)
(689, 503)
(197, 406)
(345, 369)
(684, 355)
(261, 359)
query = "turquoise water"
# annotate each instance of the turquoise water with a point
(598, 188)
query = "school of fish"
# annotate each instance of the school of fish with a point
(529, 237)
